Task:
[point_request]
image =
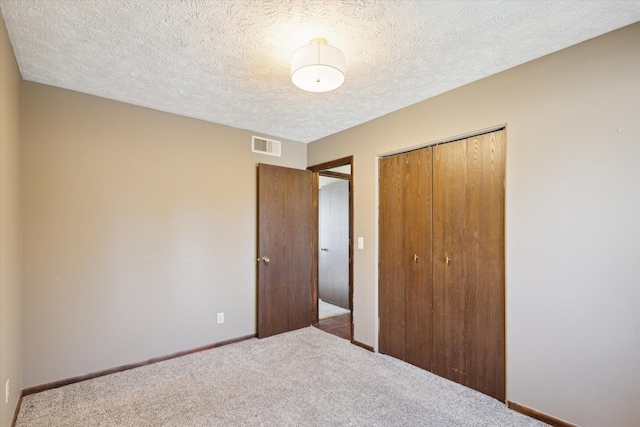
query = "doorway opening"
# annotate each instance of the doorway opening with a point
(333, 297)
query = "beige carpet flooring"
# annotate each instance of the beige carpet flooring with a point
(327, 310)
(302, 378)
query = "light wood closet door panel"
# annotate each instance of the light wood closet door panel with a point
(449, 278)
(417, 258)
(391, 272)
(484, 245)
(469, 299)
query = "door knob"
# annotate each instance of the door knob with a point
(324, 249)
(264, 259)
(447, 260)
(415, 257)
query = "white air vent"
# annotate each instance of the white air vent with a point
(265, 146)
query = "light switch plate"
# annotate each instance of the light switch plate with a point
(360, 242)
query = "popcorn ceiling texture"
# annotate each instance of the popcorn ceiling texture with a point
(228, 61)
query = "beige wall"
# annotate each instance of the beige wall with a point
(572, 219)
(140, 226)
(10, 230)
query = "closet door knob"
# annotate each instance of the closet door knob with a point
(447, 261)
(415, 257)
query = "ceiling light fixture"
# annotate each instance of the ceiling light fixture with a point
(317, 67)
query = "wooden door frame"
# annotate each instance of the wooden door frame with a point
(322, 170)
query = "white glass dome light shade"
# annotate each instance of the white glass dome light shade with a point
(318, 67)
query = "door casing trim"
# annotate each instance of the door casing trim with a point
(322, 169)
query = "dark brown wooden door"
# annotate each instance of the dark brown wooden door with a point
(468, 263)
(405, 257)
(287, 249)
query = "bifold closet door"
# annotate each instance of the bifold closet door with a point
(405, 277)
(391, 272)
(418, 290)
(468, 263)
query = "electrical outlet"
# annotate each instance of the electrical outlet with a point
(6, 392)
(220, 318)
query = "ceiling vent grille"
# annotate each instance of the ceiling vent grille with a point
(265, 146)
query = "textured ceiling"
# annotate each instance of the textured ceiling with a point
(228, 61)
